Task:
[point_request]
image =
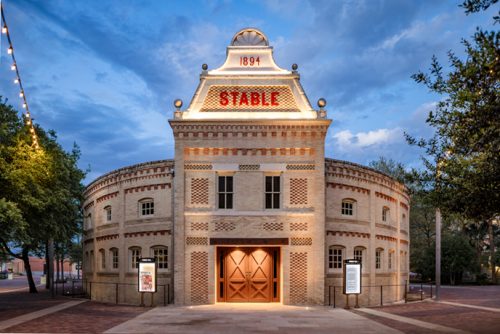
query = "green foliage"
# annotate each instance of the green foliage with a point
(474, 6)
(40, 189)
(391, 168)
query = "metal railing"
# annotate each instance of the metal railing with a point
(375, 293)
(163, 289)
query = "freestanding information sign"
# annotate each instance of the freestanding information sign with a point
(352, 280)
(147, 277)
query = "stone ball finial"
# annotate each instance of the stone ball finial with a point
(178, 104)
(204, 67)
(321, 103)
(295, 67)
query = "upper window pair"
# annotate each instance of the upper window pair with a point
(226, 192)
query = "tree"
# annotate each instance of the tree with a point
(463, 164)
(391, 168)
(40, 190)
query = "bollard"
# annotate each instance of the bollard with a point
(381, 296)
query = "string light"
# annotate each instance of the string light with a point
(17, 80)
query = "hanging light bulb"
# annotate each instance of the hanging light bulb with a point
(13, 67)
(21, 94)
(4, 29)
(24, 105)
(16, 80)
(10, 50)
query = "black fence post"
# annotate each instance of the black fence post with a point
(73, 288)
(421, 291)
(165, 295)
(381, 296)
(90, 295)
(334, 297)
(62, 294)
(431, 290)
(406, 292)
(116, 293)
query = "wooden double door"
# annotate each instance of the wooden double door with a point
(248, 274)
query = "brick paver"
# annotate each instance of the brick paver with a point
(90, 317)
(13, 304)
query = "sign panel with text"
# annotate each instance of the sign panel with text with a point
(352, 277)
(147, 275)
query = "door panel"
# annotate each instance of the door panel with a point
(236, 276)
(248, 275)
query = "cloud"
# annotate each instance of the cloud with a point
(348, 141)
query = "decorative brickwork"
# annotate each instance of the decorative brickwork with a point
(386, 238)
(278, 151)
(146, 233)
(198, 166)
(404, 242)
(107, 196)
(298, 226)
(196, 241)
(199, 191)
(107, 237)
(348, 187)
(249, 167)
(88, 205)
(298, 278)
(199, 226)
(148, 188)
(348, 234)
(386, 197)
(404, 206)
(273, 226)
(298, 191)
(301, 241)
(300, 167)
(224, 226)
(199, 278)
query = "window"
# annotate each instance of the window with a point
(102, 256)
(273, 192)
(385, 213)
(378, 258)
(147, 207)
(160, 253)
(335, 255)
(89, 221)
(358, 253)
(107, 211)
(91, 262)
(135, 255)
(348, 207)
(390, 260)
(225, 189)
(114, 257)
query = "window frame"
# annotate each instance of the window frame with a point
(379, 254)
(102, 259)
(107, 213)
(115, 258)
(335, 260)
(134, 260)
(153, 249)
(386, 214)
(225, 193)
(272, 193)
(362, 249)
(150, 210)
(344, 210)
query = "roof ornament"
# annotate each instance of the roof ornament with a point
(250, 37)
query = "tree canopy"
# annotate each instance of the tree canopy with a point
(40, 189)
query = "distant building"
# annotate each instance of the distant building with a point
(249, 209)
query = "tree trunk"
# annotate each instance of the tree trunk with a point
(29, 274)
(47, 259)
(492, 252)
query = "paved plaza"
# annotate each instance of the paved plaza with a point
(461, 310)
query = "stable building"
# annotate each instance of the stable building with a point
(249, 209)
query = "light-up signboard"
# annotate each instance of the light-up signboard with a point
(147, 275)
(352, 277)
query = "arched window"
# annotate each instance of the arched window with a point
(134, 256)
(390, 260)
(160, 253)
(385, 214)
(359, 253)
(378, 258)
(146, 207)
(348, 207)
(107, 213)
(113, 252)
(335, 257)
(102, 258)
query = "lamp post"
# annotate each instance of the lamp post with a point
(438, 252)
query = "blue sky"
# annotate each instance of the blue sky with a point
(104, 73)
